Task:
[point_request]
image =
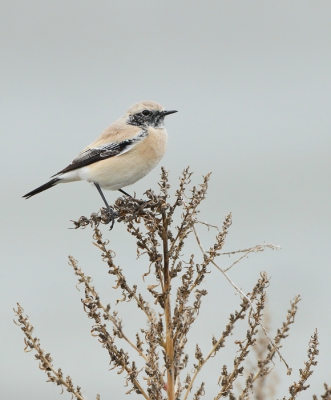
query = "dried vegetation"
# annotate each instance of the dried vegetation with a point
(179, 288)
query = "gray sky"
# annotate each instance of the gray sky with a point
(251, 81)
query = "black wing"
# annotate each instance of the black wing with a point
(90, 156)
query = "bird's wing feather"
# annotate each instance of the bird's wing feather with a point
(94, 154)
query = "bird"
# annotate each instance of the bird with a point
(124, 153)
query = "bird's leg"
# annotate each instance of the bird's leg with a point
(140, 202)
(110, 210)
(127, 194)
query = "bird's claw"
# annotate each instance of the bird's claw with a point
(109, 217)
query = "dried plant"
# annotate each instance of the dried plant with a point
(178, 291)
(326, 395)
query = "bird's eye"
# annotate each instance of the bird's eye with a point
(146, 113)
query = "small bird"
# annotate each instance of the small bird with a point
(124, 153)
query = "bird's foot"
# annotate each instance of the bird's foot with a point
(109, 216)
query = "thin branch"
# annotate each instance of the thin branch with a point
(289, 370)
(305, 373)
(282, 333)
(270, 245)
(208, 225)
(116, 271)
(256, 249)
(218, 344)
(119, 358)
(107, 316)
(45, 359)
(167, 312)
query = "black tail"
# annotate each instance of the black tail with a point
(41, 188)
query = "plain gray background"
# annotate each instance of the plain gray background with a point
(251, 81)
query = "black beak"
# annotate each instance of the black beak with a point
(168, 112)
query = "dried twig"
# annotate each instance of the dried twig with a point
(255, 249)
(289, 370)
(92, 303)
(45, 360)
(305, 373)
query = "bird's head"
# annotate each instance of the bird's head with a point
(147, 114)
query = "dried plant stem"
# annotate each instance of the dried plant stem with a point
(167, 312)
(282, 333)
(134, 381)
(208, 225)
(216, 347)
(219, 268)
(180, 230)
(326, 395)
(129, 372)
(106, 254)
(289, 370)
(33, 343)
(196, 374)
(305, 373)
(255, 249)
(90, 289)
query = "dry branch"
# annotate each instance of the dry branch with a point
(161, 228)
